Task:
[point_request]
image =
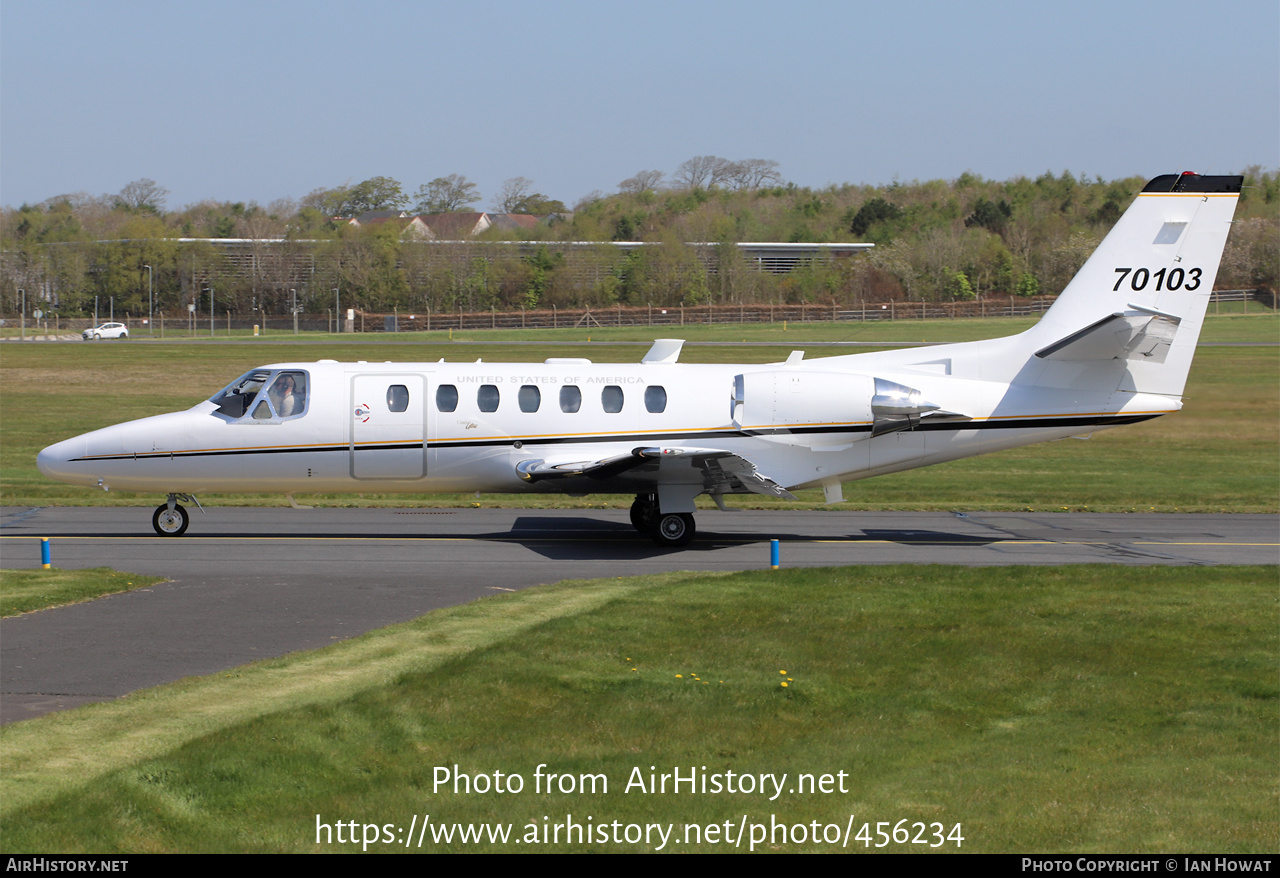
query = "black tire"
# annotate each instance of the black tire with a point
(168, 524)
(674, 529)
(644, 514)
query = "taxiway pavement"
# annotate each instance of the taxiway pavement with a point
(253, 583)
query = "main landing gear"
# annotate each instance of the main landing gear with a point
(670, 530)
(170, 519)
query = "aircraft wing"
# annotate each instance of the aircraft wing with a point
(727, 473)
(722, 472)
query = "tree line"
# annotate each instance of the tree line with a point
(936, 240)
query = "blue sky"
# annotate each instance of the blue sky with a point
(253, 101)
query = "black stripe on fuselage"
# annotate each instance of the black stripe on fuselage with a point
(926, 426)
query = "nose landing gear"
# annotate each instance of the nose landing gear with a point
(170, 522)
(170, 519)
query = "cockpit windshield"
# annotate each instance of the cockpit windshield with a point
(280, 394)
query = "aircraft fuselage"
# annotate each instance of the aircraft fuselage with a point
(1115, 348)
(348, 438)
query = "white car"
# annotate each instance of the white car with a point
(106, 330)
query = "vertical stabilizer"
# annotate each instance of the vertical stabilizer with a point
(1140, 299)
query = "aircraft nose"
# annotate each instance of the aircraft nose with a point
(59, 462)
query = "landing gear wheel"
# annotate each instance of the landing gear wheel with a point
(674, 529)
(644, 513)
(170, 522)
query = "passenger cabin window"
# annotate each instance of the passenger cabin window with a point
(397, 398)
(611, 399)
(447, 398)
(269, 396)
(655, 398)
(529, 398)
(570, 398)
(487, 397)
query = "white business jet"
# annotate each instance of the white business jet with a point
(1115, 348)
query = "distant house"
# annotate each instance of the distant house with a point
(373, 216)
(414, 229)
(513, 221)
(455, 226)
(450, 226)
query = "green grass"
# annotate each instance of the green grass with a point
(1232, 323)
(1087, 709)
(25, 591)
(1219, 454)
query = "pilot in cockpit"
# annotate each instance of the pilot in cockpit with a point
(287, 395)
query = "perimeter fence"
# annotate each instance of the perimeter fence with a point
(565, 318)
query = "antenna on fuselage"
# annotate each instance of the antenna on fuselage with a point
(664, 350)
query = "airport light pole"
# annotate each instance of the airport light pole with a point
(294, 309)
(23, 318)
(150, 303)
(336, 312)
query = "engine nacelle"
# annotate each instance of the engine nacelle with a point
(823, 409)
(800, 407)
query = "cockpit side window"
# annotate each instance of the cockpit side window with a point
(271, 396)
(289, 393)
(233, 400)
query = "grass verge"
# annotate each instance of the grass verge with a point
(25, 591)
(1087, 709)
(1181, 462)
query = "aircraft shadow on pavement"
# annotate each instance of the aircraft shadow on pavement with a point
(925, 538)
(583, 539)
(578, 538)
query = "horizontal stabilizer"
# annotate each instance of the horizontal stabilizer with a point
(1138, 334)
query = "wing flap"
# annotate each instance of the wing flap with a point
(728, 473)
(721, 472)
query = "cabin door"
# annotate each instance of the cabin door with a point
(388, 426)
